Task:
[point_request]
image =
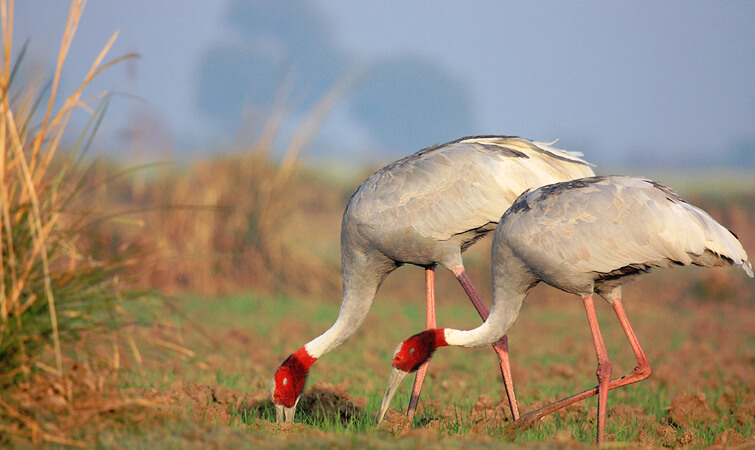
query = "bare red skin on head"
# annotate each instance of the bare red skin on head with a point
(418, 349)
(291, 377)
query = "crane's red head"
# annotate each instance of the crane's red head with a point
(407, 358)
(288, 382)
(414, 351)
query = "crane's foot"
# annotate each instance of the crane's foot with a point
(523, 423)
(405, 427)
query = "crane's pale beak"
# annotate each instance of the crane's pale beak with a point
(284, 414)
(397, 376)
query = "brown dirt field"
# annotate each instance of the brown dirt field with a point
(702, 353)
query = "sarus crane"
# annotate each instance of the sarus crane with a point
(584, 237)
(425, 209)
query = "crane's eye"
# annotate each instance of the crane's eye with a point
(411, 351)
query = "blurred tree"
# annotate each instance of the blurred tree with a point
(408, 102)
(233, 77)
(274, 40)
(404, 103)
(298, 31)
(742, 153)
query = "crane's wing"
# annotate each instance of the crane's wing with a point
(604, 224)
(443, 191)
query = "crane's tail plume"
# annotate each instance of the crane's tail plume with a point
(747, 267)
(523, 144)
(720, 244)
(571, 156)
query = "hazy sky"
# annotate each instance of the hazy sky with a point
(668, 83)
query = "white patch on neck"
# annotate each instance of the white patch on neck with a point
(458, 338)
(312, 351)
(449, 334)
(485, 334)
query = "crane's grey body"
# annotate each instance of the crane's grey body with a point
(592, 235)
(427, 208)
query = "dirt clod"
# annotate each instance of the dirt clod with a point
(488, 414)
(330, 400)
(667, 435)
(393, 421)
(563, 437)
(686, 409)
(729, 438)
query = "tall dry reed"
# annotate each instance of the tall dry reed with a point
(51, 289)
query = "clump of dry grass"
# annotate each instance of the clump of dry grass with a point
(225, 225)
(51, 289)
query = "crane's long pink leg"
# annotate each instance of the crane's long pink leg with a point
(501, 347)
(604, 366)
(641, 371)
(429, 323)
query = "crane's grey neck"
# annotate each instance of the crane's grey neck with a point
(354, 308)
(502, 316)
(362, 273)
(512, 281)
